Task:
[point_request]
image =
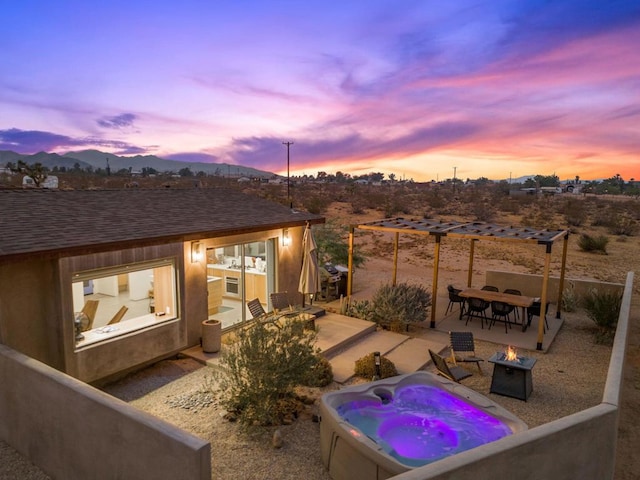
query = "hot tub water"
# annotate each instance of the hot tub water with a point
(421, 423)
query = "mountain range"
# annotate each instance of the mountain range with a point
(97, 159)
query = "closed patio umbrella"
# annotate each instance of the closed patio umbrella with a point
(310, 274)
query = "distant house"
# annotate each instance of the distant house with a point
(50, 182)
(71, 262)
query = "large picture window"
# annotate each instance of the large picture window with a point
(120, 300)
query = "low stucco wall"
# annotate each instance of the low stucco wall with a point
(531, 285)
(74, 431)
(579, 446)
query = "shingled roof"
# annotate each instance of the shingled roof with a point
(57, 222)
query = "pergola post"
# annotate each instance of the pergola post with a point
(543, 298)
(395, 258)
(434, 288)
(562, 268)
(350, 263)
(470, 272)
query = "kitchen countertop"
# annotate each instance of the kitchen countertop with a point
(251, 270)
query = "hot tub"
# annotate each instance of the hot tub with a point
(381, 429)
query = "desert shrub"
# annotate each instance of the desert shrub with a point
(320, 374)
(258, 373)
(366, 368)
(315, 204)
(603, 308)
(570, 299)
(396, 306)
(333, 246)
(622, 225)
(587, 243)
(362, 309)
(483, 211)
(575, 212)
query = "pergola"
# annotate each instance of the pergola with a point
(473, 231)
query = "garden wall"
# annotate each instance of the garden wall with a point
(531, 285)
(71, 430)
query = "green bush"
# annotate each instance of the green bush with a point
(258, 373)
(587, 243)
(366, 368)
(362, 309)
(604, 309)
(396, 306)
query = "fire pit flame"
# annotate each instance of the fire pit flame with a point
(510, 354)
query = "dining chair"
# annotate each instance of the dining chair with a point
(513, 291)
(534, 311)
(501, 310)
(454, 298)
(476, 307)
(490, 288)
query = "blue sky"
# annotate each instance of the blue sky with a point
(415, 88)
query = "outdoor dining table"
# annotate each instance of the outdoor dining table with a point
(521, 301)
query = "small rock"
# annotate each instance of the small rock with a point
(277, 440)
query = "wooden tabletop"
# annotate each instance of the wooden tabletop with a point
(489, 296)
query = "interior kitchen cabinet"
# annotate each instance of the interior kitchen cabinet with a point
(214, 290)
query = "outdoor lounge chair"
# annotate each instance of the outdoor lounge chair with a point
(453, 299)
(280, 301)
(463, 348)
(452, 372)
(256, 309)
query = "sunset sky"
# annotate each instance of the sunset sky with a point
(421, 88)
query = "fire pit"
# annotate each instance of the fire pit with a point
(512, 374)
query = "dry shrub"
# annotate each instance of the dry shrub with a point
(365, 367)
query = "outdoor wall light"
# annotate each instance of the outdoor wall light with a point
(196, 252)
(286, 240)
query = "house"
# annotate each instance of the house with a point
(97, 283)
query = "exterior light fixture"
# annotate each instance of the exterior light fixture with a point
(376, 365)
(286, 240)
(196, 252)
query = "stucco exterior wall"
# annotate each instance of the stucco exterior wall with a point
(29, 309)
(116, 357)
(80, 432)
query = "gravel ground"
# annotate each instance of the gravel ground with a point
(568, 378)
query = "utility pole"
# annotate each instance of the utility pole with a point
(454, 178)
(288, 144)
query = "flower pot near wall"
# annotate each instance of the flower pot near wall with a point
(211, 336)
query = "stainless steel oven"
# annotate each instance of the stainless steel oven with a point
(232, 286)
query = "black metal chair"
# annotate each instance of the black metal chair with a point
(452, 372)
(501, 311)
(463, 348)
(513, 291)
(490, 288)
(534, 311)
(476, 307)
(453, 299)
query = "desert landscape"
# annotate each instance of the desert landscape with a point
(569, 377)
